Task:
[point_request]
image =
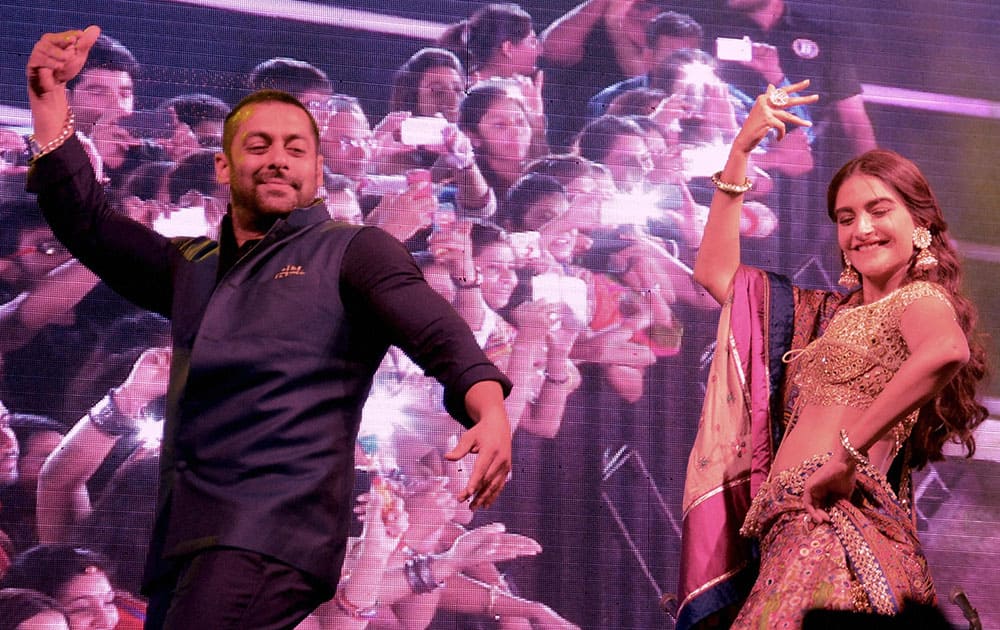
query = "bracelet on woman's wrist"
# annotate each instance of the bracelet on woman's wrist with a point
(859, 458)
(420, 576)
(732, 189)
(109, 419)
(351, 609)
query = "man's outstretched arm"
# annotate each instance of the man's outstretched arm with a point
(489, 439)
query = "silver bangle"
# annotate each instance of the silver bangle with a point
(67, 130)
(732, 189)
(855, 454)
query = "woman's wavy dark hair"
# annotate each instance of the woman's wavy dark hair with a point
(406, 82)
(20, 604)
(954, 413)
(494, 24)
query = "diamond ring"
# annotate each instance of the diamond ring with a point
(778, 98)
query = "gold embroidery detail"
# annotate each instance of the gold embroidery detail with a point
(792, 480)
(871, 592)
(289, 270)
(865, 567)
(858, 354)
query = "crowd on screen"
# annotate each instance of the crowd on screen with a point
(552, 186)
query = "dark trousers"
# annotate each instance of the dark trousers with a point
(223, 588)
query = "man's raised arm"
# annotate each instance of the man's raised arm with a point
(55, 60)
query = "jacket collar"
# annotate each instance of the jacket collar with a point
(299, 218)
(314, 213)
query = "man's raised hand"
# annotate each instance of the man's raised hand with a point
(57, 58)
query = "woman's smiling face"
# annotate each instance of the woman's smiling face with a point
(875, 229)
(496, 262)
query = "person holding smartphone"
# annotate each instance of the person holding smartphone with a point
(504, 48)
(667, 33)
(595, 44)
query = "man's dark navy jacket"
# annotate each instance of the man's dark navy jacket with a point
(272, 361)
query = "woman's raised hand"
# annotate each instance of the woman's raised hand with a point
(770, 111)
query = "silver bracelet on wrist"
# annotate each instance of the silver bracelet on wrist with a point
(855, 454)
(732, 189)
(68, 129)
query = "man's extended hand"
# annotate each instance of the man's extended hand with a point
(490, 440)
(57, 58)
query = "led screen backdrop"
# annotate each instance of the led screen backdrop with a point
(591, 311)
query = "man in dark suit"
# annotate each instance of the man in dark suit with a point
(278, 328)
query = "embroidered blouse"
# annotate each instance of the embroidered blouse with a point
(858, 354)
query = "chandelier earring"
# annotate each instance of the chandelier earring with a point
(848, 277)
(922, 241)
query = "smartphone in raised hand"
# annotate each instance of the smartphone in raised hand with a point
(420, 131)
(733, 49)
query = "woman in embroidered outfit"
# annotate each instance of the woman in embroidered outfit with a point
(818, 399)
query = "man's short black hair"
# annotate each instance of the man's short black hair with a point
(672, 24)
(108, 54)
(263, 96)
(192, 109)
(289, 75)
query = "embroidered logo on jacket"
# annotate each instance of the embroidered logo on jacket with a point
(289, 270)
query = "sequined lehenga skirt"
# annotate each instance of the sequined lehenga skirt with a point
(868, 559)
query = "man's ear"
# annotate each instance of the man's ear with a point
(221, 168)
(506, 47)
(320, 182)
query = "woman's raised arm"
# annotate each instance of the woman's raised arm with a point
(719, 254)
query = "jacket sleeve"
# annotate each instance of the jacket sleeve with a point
(380, 276)
(132, 259)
